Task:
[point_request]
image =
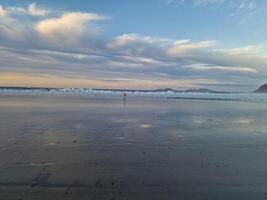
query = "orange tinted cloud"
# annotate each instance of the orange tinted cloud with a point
(45, 80)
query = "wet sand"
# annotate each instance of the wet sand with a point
(70, 148)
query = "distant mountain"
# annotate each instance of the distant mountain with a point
(262, 88)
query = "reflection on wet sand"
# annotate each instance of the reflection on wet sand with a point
(78, 148)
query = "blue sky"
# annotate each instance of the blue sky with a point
(218, 44)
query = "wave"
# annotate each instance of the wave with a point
(248, 97)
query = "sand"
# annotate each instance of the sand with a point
(66, 148)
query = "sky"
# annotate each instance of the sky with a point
(134, 44)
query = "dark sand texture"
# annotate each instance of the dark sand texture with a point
(70, 148)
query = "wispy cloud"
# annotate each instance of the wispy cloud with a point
(244, 11)
(185, 47)
(210, 68)
(207, 2)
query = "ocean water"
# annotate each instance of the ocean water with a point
(72, 147)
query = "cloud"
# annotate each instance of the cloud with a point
(126, 39)
(133, 44)
(67, 28)
(207, 2)
(243, 11)
(245, 51)
(199, 3)
(154, 47)
(32, 10)
(185, 47)
(16, 23)
(203, 67)
(12, 30)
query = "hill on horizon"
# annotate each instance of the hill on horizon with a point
(262, 88)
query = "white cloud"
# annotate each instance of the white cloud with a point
(123, 40)
(182, 47)
(126, 39)
(245, 51)
(34, 10)
(67, 28)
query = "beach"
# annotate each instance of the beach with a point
(69, 148)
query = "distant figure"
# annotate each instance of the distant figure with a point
(124, 98)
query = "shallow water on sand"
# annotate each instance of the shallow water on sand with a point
(69, 148)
